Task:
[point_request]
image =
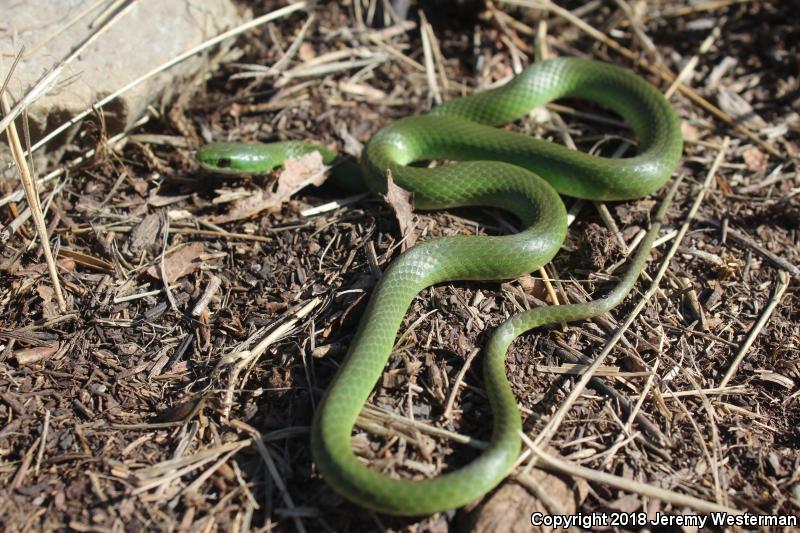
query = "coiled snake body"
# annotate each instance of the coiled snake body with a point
(496, 168)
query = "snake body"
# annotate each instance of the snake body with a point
(495, 168)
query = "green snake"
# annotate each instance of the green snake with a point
(492, 167)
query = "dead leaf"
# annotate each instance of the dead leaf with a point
(180, 412)
(179, 263)
(309, 169)
(298, 173)
(246, 207)
(352, 146)
(140, 185)
(401, 201)
(792, 148)
(366, 91)
(755, 159)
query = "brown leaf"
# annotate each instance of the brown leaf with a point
(140, 185)
(179, 263)
(774, 377)
(296, 174)
(179, 412)
(247, 207)
(400, 201)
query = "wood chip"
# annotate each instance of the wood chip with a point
(144, 234)
(740, 109)
(29, 356)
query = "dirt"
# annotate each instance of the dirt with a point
(144, 408)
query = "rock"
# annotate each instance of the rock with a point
(147, 35)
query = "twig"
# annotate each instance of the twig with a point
(716, 448)
(10, 73)
(25, 464)
(652, 491)
(608, 220)
(632, 411)
(425, 31)
(383, 416)
(177, 231)
(749, 242)
(330, 206)
(211, 289)
(638, 29)
(137, 296)
(13, 226)
(43, 442)
(243, 358)
(690, 65)
(457, 383)
(783, 283)
(548, 286)
(293, 48)
(276, 478)
(32, 196)
(197, 483)
(710, 5)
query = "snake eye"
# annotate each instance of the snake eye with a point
(224, 162)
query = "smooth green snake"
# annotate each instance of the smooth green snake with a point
(497, 168)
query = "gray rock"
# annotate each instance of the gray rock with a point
(150, 33)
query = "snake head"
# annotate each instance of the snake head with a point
(238, 158)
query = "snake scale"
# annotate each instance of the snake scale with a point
(491, 167)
